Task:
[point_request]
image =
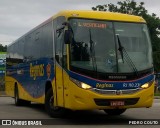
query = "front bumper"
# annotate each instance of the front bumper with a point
(80, 99)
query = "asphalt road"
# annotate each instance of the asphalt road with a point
(79, 118)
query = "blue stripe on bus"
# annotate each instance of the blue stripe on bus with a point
(33, 75)
(112, 85)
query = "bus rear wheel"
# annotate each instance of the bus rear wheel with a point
(53, 111)
(114, 112)
(18, 101)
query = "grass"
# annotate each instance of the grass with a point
(157, 94)
(1, 88)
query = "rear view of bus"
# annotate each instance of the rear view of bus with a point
(111, 60)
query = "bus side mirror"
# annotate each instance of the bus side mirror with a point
(66, 36)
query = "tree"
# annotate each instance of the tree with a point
(153, 22)
(3, 48)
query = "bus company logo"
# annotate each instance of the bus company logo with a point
(118, 92)
(36, 70)
(117, 77)
(98, 85)
(48, 69)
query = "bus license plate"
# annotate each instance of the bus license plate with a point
(117, 103)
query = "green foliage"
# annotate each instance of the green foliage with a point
(153, 22)
(157, 94)
(156, 57)
(3, 48)
(2, 83)
(127, 7)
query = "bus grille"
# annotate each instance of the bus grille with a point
(116, 92)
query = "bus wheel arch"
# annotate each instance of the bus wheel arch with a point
(53, 111)
(16, 94)
(48, 85)
(18, 101)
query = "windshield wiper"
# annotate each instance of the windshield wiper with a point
(92, 51)
(120, 48)
(124, 55)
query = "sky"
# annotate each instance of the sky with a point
(17, 17)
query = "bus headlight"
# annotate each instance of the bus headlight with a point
(85, 86)
(147, 85)
(80, 84)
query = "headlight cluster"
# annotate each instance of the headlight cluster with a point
(86, 86)
(147, 85)
(80, 84)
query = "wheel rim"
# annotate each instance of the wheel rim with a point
(51, 104)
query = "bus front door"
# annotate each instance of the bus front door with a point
(59, 82)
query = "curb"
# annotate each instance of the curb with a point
(3, 94)
(156, 97)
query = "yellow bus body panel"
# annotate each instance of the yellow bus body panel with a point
(23, 94)
(81, 99)
(100, 15)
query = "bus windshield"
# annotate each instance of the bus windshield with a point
(95, 46)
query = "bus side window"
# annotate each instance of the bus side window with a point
(58, 46)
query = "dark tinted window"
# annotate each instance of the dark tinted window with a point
(39, 44)
(46, 41)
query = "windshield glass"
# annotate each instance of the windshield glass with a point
(135, 39)
(94, 46)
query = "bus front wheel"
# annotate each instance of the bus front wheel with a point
(114, 112)
(53, 111)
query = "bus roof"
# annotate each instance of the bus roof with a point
(100, 15)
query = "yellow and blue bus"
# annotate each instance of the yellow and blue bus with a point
(83, 60)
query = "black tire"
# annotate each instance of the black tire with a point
(18, 101)
(53, 111)
(114, 112)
